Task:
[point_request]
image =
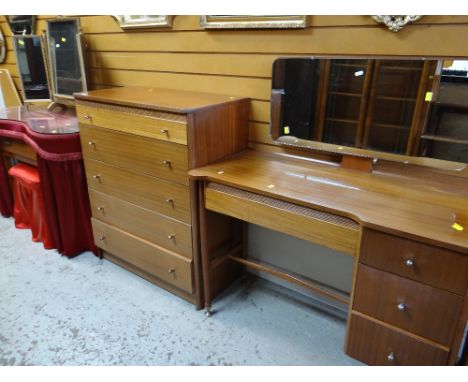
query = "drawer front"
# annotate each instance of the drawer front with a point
(140, 154)
(145, 191)
(375, 344)
(427, 311)
(156, 228)
(164, 126)
(431, 265)
(150, 258)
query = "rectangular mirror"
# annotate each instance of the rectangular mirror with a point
(32, 68)
(66, 57)
(370, 106)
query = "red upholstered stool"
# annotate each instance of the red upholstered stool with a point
(28, 205)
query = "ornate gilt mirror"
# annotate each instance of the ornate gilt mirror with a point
(32, 68)
(407, 110)
(65, 52)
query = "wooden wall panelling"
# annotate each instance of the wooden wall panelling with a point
(239, 62)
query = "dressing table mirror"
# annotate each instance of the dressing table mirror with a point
(407, 110)
(32, 68)
(65, 52)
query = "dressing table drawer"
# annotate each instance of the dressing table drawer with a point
(148, 192)
(168, 127)
(377, 344)
(156, 228)
(169, 267)
(431, 265)
(407, 304)
(140, 154)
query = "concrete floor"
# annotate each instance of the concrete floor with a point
(86, 311)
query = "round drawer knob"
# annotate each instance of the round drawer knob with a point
(92, 144)
(171, 237)
(391, 356)
(167, 163)
(169, 201)
(401, 306)
(409, 262)
(100, 209)
(172, 270)
(102, 238)
(97, 177)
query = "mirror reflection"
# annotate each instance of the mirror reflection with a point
(66, 57)
(31, 65)
(411, 107)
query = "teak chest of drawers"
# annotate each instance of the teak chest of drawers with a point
(138, 145)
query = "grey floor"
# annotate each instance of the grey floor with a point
(86, 311)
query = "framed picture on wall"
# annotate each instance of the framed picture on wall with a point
(143, 21)
(252, 22)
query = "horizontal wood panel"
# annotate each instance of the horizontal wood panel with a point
(153, 259)
(164, 160)
(156, 228)
(281, 218)
(232, 86)
(407, 304)
(163, 197)
(252, 65)
(413, 40)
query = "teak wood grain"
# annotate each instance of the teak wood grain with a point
(430, 264)
(282, 217)
(168, 100)
(373, 343)
(166, 265)
(148, 156)
(149, 225)
(149, 192)
(391, 204)
(166, 127)
(426, 311)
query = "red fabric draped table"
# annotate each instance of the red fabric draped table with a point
(55, 139)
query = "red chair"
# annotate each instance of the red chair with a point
(28, 203)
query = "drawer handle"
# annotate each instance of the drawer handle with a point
(172, 270)
(167, 163)
(100, 209)
(97, 177)
(92, 144)
(165, 131)
(401, 306)
(171, 237)
(391, 356)
(102, 238)
(170, 201)
(86, 116)
(409, 262)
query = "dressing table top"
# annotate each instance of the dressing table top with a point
(43, 121)
(424, 210)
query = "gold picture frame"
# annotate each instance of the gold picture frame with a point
(252, 22)
(143, 21)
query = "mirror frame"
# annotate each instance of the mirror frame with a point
(252, 22)
(43, 42)
(297, 143)
(2, 47)
(65, 98)
(11, 24)
(157, 21)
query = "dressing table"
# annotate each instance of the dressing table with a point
(404, 219)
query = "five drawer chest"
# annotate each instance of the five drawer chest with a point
(138, 144)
